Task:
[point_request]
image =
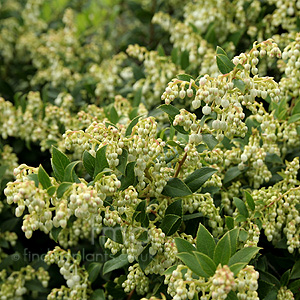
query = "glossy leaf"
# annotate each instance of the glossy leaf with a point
(250, 201)
(244, 255)
(183, 245)
(210, 141)
(51, 190)
(176, 188)
(170, 224)
(240, 205)
(89, 162)
(205, 241)
(229, 221)
(195, 180)
(122, 161)
(206, 263)
(175, 208)
(55, 232)
(70, 175)
(145, 257)
(94, 270)
(236, 268)
(62, 188)
(231, 174)
(191, 262)
(44, 178)
(100, 161)
(129, 177)
(225, 65)
(223, 250)
(131, 125)
(115, 263)
(98, 295)
(295, 273)
(240, 84)
(114, 233)
(35, 178)
(184, 77)
(59, 162)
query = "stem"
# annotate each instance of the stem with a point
(130, 294)
(180, 165)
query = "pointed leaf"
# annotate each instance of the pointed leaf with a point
(51, 190)
(210, 141)
(59, 162)
(223, 250)
(229, 221)
(55, 232)
(184, 77)
(175, 208)
(44, 178)
(236, 268)
(131, 125)
(184, 246)
(206, 263)
(94, 270)
(176, 188)
(205, 241)
(70, 175)
(89, 162)
(240, 84)
(170, 270)
(114, 233)
(243, 256)
(191, 262)
(62, 188)
(100, 161)
(241, 207)
(115, 263)
(171, 110)
(225, 65)
(195, 180)
(233, 237)
(295, 274)
(231, 174)
(145, 257)
(122, 161)
(129, 177)
(250, 201)
(35, 178)
(170, 224)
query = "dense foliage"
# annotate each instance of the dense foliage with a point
(149, 149)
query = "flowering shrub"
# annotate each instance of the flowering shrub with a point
(150, 169)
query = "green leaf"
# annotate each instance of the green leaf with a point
(296, 108)
(136, 100)
(294, 118)
(59, 162)
(231, 174)
(243, 235)
(174, 208)
(55, 232)
(184, 246)
(160, 50)
(206, 263)
(51, 190)
(210, 141)
(250, 200)
(184, 77)
(88, 161)
(131, 125)
(224, 64)
(236, 268)
(295, 273)
(238, 83)
(192, 216)
(241, 207)
(174, 56)
(229, 221)
(273, 158)
(243, 256)
(114, 233)
(295, 287)
(232, 296)
(184, 59)
(171, 110)
(176, 188)
(192, 263)
(285, 278)
(140, 214)
(129, 177)
(100, 161)
(233, 237)
(145, 257)
(98, 295)
(94, 270)
(3, 171)
(35, 178)
(170, 224)
(115, 263)
(223, 250)
(70, 175)
(205, 241)
(122, 161)
(62, 188)
(112, 115)
(195, 180)
(170, 270)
